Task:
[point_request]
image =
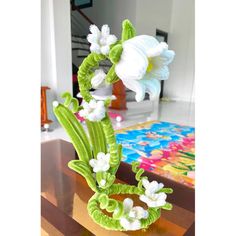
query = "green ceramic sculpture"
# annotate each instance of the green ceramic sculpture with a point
(140, 62)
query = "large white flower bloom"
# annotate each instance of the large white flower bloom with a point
(100, 40)
(132, 215)
(98, 79)
(143, 63)
(151, 197)
(93, 111)
(101, 163)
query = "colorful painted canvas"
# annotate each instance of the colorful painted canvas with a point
(165, 148)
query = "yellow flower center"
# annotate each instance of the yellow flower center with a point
(150, 65)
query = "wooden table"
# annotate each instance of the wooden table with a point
(64, 197)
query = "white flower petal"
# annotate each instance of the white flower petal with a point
(130, 225)
(167, 57)
(161, 73)
(93, 103)
(152, 87)
(85, 105)
(133, 63)
(145, 183)
(138, 213)
(162, 196)
(148, 44)
(100, 156)
(153, 186)
(137, 87)
(105, 30)
(160, 186)
(100, 104)
(128, 204)
(82, 113)
(96, 169)
(95, 48)
(92, 162)
(94, 30)
(105, 49)
(143, 198)
(99, 79)
(135, 225)
(92, 38)
(111, 39)
(103, 182)
(106, 167)
(125, 223)
(91, 117)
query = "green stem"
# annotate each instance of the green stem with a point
(90, 62)
(101, 201)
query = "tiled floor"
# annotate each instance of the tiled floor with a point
(176, 112)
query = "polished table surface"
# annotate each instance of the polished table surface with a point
(64, 197)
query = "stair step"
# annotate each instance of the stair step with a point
(82, 56)
(83, 43)
(80, 36)
(81, 49)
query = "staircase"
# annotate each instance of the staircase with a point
(80, 46)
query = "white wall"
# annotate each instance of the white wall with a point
(56, 67)
(153, 14)
(181, 39)
(62, 27)
(112, 12)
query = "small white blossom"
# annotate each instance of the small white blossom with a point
(98, 80)
(100, 40)
(132, 215)
(101, 163)
(93, 111)
(151, 197)
(103, 182)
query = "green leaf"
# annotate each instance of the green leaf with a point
(166, 190)
(128, 30)
(75, 130)
(168, 206)
(82, 168)
(67, 97)
(115, 53)
(97, 137)
(111, 76)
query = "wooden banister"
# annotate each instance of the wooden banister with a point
(74, 7)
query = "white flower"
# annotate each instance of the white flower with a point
(98, 80)
(143, 63)
(93, 111)
(151, 197)
(132, 215)
(101, 41)
(151, 187)
(101, 163)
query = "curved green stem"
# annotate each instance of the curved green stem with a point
(101, 201)
(90, 62)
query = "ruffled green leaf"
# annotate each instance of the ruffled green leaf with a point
(115, 53)
(128, 30)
